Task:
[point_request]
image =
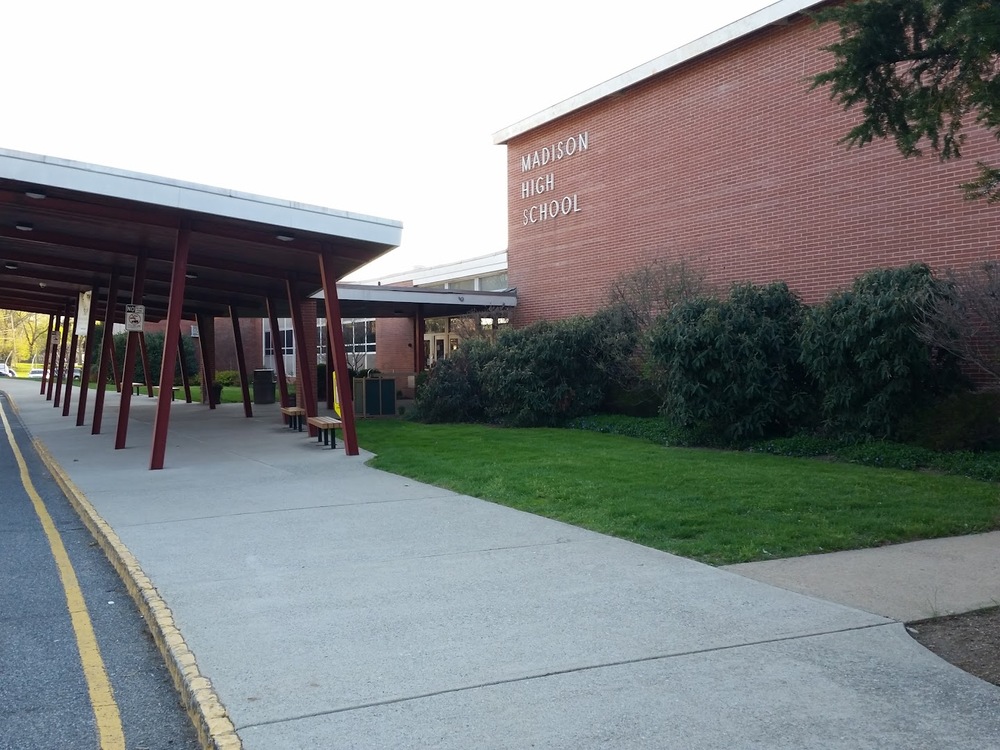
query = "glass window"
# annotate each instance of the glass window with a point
(465, 284)
(494, 282)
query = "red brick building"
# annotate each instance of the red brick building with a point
(719, 154)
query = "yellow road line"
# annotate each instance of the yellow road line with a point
(102, 699)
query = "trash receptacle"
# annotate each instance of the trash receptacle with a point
(263, 386)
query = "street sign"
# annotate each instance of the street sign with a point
(135, 317)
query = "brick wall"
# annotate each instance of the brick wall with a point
(732, 164)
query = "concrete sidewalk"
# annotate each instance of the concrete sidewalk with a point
(334, 605)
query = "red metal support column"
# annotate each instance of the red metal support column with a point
(88, 363)
(419, 329)
(241, 360)
(278, 347)
(206, 341)
(305, 395)
(171, 336)
(116, 375)
(46, 361)
(185, 379)
(131, 346)
(147, 373)
(61, 361)
(107, 353)
(336, 329)
(71, 365)
(330, 370)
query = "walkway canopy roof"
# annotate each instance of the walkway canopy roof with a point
(64, 226)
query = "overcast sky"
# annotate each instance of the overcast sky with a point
(379, 108)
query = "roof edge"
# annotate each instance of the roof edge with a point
(189, 196)
(738, 29)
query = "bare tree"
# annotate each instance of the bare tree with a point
(966, 323)
(650, 291)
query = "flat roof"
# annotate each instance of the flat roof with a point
(66, 225)
(366, 301)
(779, 11)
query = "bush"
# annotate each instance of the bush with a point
(550, 372)
(864, 350)
(732, 365)
(227, 378)
(962, 422)
(154, 348)
(449, 392)
(541, 375)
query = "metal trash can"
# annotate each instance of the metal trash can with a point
(263, 386)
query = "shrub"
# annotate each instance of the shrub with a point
(450, 391)
(962, 422)
(733, 365)
(154, 347)
(541, 375)
(864, 350)
(227, 378)
(549, 372)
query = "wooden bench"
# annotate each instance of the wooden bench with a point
(326, 427)
(173, 391)
(294, 414)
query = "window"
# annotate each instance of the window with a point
(494, 282)
(288, 343)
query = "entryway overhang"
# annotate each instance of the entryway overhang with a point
(182, 250)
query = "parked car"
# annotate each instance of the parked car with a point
(36, 373)
(7, 371)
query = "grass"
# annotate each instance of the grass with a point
(715, 506)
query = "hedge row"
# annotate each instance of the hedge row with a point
(755, 364)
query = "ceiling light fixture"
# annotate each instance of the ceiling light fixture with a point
(23, 226)
(36, 195)
(285, 237)
(10, 265)
(190, 275)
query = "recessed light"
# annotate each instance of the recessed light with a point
(190, 275)
(23, 226)
(285, 237)
(36, 195)
(10, 265)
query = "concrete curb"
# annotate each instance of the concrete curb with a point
(208, 715)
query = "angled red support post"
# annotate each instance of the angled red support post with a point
(147, 374)
(88, 363)
(71, 365)
(329, 368)
(305, 395)
(171, 336)
(336, 329)
(419, 329)
(131, 346)
(241, 360)
(46, 361)
(206, 342)
(107, 353)
(182, 361)
(61, 359)
(278, 346)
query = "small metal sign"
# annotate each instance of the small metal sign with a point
(135, 317)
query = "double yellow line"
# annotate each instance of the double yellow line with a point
(102, 699)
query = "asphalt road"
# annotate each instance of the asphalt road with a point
(45, 701)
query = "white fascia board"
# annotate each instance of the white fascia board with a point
(415, 295)
(762, 18)
(472, 267)
(463, 269)
(188, 196)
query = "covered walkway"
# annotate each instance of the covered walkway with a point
(87, 244)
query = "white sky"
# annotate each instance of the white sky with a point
(379, 108)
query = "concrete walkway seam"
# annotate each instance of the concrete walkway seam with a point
(208, 715)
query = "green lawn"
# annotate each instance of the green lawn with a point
(716, 506)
